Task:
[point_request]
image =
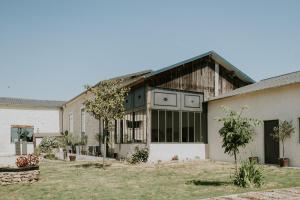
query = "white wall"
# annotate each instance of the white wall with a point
(43, 120)
(277, 103)
(165, 151)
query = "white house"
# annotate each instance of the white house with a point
(269, 100)
(28, 121)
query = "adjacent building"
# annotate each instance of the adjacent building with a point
(24, 122)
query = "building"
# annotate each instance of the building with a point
(165, 109)
(269, 100)
(171, 111)
(28, 121)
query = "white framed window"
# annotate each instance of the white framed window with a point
(71, 123)
(82, 120)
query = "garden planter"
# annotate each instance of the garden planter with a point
(253, 159)
(283, 162)
(72, 157)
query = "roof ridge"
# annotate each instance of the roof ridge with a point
(29, 99)
(289, 73)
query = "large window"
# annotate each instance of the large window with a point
(175, 126)
(21, 133)
(132, 128)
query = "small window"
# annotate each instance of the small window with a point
(82, 117)
(71, 123)
(21, 133)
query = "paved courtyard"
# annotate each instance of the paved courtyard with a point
(287, 194)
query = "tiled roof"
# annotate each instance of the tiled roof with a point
(277, 81)
(9, 101)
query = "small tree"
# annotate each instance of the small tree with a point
(107, 104)
(236, 132)
(283, 132)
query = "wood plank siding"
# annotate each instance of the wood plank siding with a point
(197, 76)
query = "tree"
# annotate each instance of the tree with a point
(107, 104)
(283, 132)
(236, 132)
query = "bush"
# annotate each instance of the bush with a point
(33, 160)
(48, 144)
(22, 161)
(249, 174)
(140, 155)
(50, 156)
(29, 160)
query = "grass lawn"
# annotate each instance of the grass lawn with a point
(189, 180)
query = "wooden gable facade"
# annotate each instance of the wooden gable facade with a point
(198, 76)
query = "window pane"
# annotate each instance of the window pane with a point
(121, 131)
(197, 128)
(14, 135)
(184, 127)
(191, 127)
(82, 121)
(169, 126)
(162, 126)
(204, 127)
(154, 126)
(176, 126)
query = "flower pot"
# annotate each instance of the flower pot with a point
(253, 159)
(283, 162)
(72, 157)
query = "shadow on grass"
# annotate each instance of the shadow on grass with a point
(92, 165)
(208, 183)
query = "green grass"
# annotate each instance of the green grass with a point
(190, 180)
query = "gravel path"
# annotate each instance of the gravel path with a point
(286, 194)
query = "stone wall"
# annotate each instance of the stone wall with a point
(8, 178)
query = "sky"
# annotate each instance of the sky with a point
(50, 49)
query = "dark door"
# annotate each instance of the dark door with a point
(271, 145)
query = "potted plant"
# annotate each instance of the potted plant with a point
(64, 143)
(281, 133)
(73, 142)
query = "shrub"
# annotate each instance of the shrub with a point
(249, 174)
(22, 161)
(29, 160)
(175, 157)
(50, 156)
(48, 144)
(140, 155)
(33, 160)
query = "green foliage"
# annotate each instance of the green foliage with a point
(107, 102)
(48, 144)
(236, 132)
(50, 156)
(140, 155)
(283, 132)
(249, 175)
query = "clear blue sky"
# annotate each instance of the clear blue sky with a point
(50, 49)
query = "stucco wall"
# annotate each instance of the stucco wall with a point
(165, 151)
(278, 103)
(43, 121)
(91, 124)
